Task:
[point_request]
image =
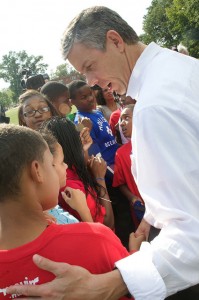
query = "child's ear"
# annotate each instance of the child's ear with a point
(36, 171)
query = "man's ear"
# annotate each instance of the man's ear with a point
(115, 38)
(36, 171)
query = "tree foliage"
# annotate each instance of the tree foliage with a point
(12, 65)
(171, 22)
(63, 71)
(5, 98)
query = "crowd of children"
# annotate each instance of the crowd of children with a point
(98, 164)
(63, 168)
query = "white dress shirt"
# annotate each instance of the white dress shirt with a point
(166, 168)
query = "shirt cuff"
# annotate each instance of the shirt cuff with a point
(141, 276)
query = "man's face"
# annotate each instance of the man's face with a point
(84, 99)
(104, 68)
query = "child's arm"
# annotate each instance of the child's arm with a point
(136, 202)
(77, 200)
(143, 228)
(135, 241)
(98, 167)
(127, 193)
(86, 140)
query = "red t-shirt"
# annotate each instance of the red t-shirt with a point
(123, 175)
(92, 246)
(74, 182)
(122, 170)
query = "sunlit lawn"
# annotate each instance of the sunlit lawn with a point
(12, 113)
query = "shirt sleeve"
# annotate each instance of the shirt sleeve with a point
(167, 177)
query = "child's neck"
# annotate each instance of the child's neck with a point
(19, 224)
(112, 105)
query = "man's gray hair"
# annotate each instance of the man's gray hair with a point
(182, 49)
(90, 28)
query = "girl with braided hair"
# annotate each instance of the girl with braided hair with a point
(78, 175)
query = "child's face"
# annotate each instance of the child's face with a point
(108, 95)
(60, 166)
(84, 99)
(34, 119)
(126, 122)
(63, 104)
(50, 185)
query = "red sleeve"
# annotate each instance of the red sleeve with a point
(97, 213)
(114, 118)
(118, 178)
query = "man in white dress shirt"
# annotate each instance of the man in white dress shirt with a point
(165, 159)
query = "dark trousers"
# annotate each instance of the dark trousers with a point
(122, 215)
(191, 293)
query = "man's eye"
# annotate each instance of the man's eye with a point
(88, 68)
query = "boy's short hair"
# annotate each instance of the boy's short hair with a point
(53, 90)
(130, 106)
(49, 138)
(19, 146)
(74, 86)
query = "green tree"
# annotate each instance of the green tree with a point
(170, 22)
(12, 65)
(156, 24)
(63, 71)
(184, 17)
(5, 98)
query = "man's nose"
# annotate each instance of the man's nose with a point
(91, 79)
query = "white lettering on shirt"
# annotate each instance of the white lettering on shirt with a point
(25, 282)
(100, 122)
(110, 143)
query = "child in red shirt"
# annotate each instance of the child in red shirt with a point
(29, 185)
(122, 172)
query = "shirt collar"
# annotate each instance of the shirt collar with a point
(137, 74)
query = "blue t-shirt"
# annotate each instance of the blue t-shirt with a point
(62, 217)
(103, 139)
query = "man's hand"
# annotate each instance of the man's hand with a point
(68, 279)
(72, 283)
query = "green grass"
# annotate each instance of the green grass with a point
(13, 114)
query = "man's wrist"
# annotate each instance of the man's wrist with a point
(112, 285)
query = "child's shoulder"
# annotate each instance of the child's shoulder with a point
(126, 148)
(86, 229)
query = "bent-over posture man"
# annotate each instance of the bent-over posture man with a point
(101, 45)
